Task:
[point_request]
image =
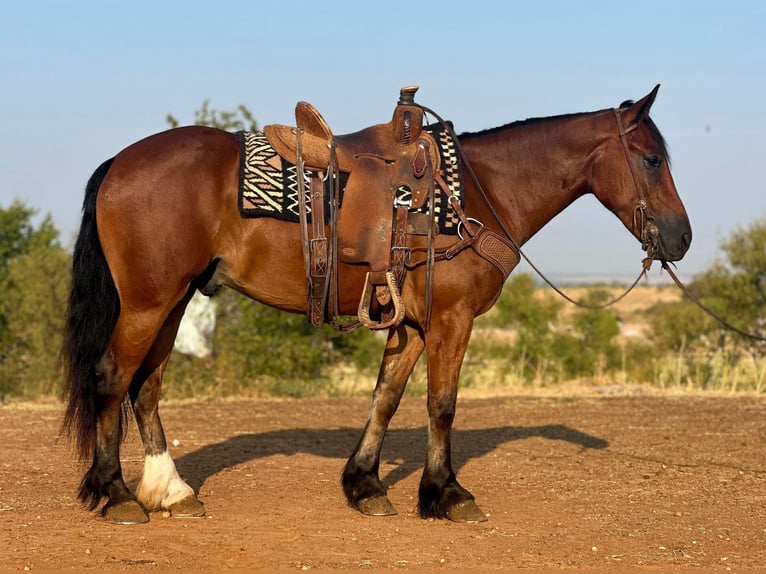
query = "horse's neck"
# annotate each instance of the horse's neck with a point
(533, 170)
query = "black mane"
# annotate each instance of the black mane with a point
(653, 129)
(522, 123)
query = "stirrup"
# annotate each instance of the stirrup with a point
(364, 304)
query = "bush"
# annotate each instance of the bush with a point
(34, 312)
(258, 350)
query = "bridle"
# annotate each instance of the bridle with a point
(649, 233)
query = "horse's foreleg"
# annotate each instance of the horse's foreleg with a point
(361, 482)
(440, 495)
(160, 487)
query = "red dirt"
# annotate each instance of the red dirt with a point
(589, 483)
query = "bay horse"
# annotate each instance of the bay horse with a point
(160, 221)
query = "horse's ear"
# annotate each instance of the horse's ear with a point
(639, 111)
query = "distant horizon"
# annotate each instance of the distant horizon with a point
(655, 277)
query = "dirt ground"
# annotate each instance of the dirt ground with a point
(641, 482)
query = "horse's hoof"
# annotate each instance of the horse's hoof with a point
(466, 511)
(377, 506)
(128, 512)
(189, 507)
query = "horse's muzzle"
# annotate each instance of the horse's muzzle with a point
(668, 241)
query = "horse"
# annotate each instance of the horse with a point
(160, 221)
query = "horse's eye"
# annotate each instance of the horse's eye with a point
(652, 161)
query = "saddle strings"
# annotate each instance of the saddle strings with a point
(430, 254)
(302, 202)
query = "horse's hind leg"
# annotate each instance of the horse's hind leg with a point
(132, 338)
(104, 478)
(126, 359)
(361, 482)
(160, 487)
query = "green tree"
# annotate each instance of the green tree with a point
(521, 307)
(736, 286)
(678, 326)
(550, 345)
(594, 349)
(18, 236)
(688, 347)
(34, 276)
(34, 308)
(268, 351)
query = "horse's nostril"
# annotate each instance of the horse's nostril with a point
(686, 240)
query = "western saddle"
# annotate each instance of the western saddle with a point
(392, 171)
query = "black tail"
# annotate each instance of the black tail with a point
(94, 307)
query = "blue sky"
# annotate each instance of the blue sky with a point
(81, 80)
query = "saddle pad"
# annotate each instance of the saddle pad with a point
(268, 186)
(444, 215)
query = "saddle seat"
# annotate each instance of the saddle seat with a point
(389, 141)
(390, 170)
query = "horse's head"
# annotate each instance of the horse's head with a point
(632, 178)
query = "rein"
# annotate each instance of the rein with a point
(649, 231)
(694, 299)
(641, 220)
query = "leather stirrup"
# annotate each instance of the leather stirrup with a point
(363, 312)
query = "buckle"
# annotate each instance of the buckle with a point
(472, 220)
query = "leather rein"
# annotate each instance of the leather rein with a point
(649, 233)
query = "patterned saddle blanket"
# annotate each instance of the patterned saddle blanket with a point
(268, 185)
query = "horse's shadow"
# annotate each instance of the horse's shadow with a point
(407, 447)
